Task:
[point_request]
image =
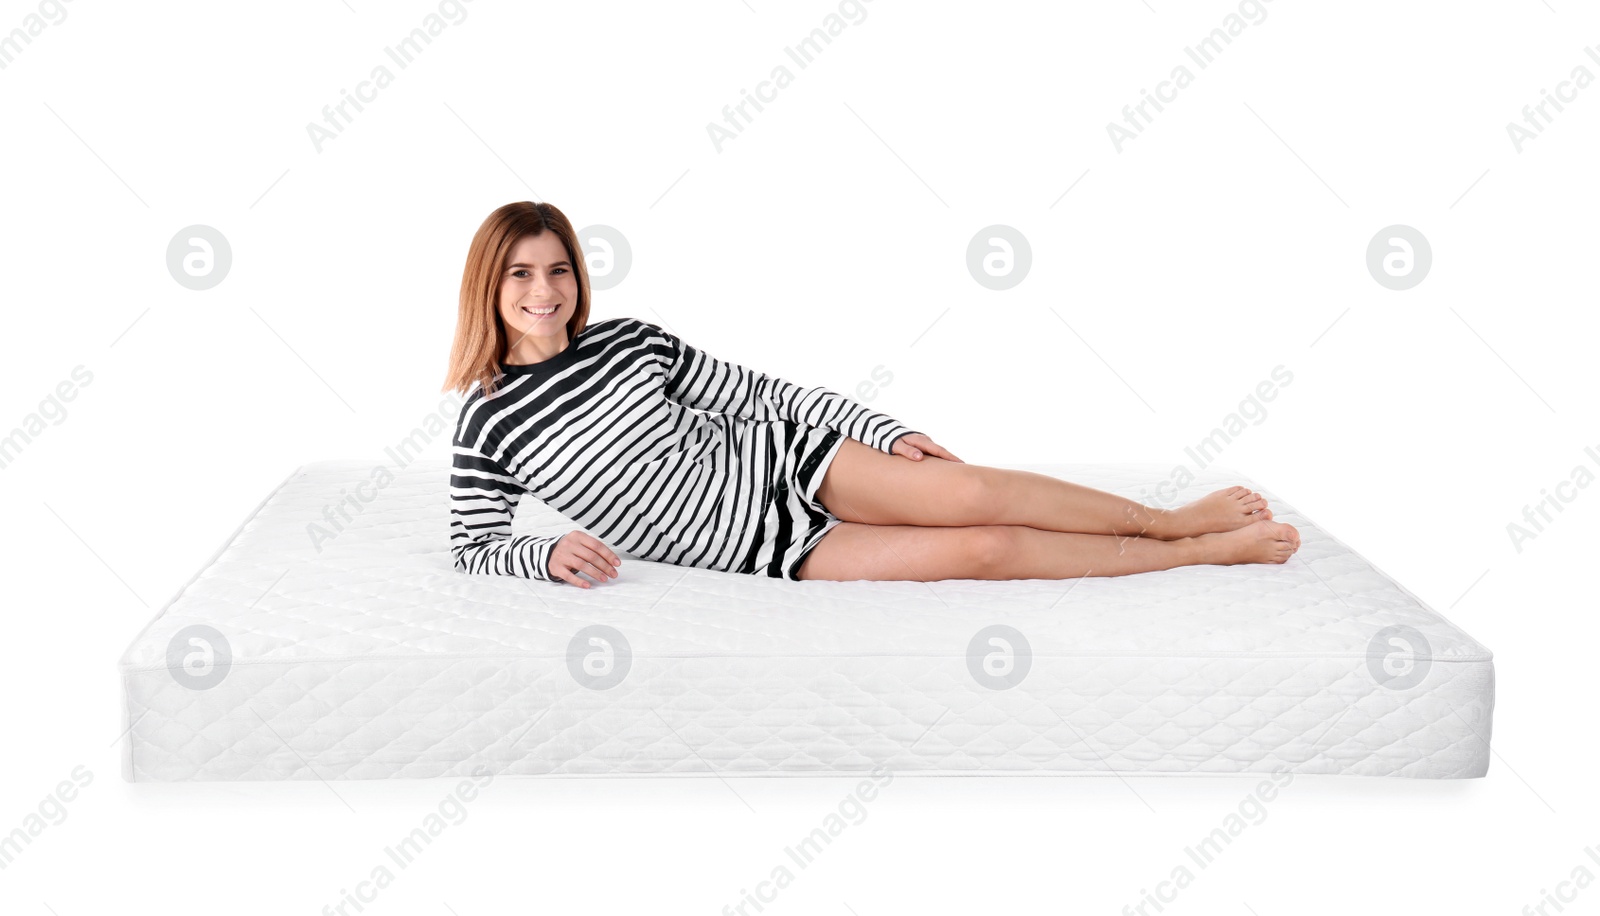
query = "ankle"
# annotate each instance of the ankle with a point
(1196, 550)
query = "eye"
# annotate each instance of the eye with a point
(519, 272)
(560, 269)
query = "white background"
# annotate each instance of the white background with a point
(825, 240)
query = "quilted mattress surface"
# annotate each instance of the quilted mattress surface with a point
(331, 637)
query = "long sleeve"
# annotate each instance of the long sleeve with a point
(699, 380)
(483, 500)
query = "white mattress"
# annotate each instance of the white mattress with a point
(369, 656)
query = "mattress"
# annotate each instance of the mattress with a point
(331, 637)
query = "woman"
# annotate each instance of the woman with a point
(673, 455)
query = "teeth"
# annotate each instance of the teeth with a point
(533, 311)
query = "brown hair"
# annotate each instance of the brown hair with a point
(480, 344)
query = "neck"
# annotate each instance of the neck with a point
(536, 350)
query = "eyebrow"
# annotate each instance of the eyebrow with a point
(556, 264)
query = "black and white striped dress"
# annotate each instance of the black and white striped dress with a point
(656, 448)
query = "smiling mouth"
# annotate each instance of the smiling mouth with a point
(544, 312)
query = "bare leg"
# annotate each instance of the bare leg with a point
(867, 486)
(854, 551)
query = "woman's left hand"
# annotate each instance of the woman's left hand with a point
(915, 445)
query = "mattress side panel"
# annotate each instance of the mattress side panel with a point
(740, 716)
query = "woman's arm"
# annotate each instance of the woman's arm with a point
(483, 499)
(699, 380)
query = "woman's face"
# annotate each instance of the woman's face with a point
(538, 294)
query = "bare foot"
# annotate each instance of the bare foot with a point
(1224, 510)
(1257, 542)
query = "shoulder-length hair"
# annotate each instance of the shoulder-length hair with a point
(481, 342)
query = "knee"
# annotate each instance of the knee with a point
(990, 549)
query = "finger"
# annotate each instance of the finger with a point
(572, 564)
(601, 569)
(568, 576)
(601, 558)
(600, 549)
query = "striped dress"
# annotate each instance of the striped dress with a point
(654, 447)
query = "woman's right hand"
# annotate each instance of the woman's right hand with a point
(579, 552)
